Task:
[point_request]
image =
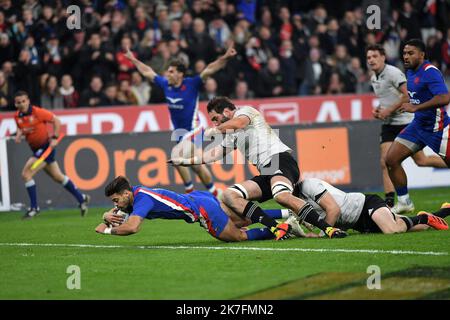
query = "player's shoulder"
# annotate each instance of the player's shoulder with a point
(393, 70)
(430, 70)
(246, 110)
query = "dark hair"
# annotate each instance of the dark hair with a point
(376, 47)
(20, 93)
(218, 104)
(179, 65)
(416, 43)
(118, 185)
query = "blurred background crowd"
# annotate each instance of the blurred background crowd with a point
(285, 48)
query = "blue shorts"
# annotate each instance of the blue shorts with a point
(415, 138)
(38, 152)
(213, 218)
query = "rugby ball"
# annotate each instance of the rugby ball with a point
(120, 213)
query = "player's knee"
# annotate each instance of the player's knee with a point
(282, 192)
(26, 175)
(236, 191)
(383, 164)
(391, 162)
(421, 162)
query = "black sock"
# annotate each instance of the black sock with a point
(308, 214)
(257, 215)
(389, 198)
(412, 221)
(443, 213)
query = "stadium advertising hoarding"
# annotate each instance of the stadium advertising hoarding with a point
(345, 154)
(91, 161)
(280, 111)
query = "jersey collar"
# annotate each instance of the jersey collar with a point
(27, 113)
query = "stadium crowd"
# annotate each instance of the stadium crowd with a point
(284, 48)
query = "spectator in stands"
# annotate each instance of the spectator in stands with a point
(210, 90)
(201, 46)
(97, 59)
(124, 65)
(27, 75)
(52, 57)
(242, 92)
(110, 96)
(70, 95)
(6, 49)
(176, 53)
(219, 32)
(126, 94)
(335, 85)
(6, 93)
(140, 88)
(92, 97)
(446, 53)
(271, 80)
(51, 98)
(315, 72)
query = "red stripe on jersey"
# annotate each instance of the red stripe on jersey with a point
(441, 120)
(208, 221)
(173, 201)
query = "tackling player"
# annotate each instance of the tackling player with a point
(247, 130)
(182, 95)
(428, 97)
(389, 85)
(364, 213)
(198, 206)
(32, 123)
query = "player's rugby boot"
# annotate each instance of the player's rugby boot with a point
(31, 212)
(400, 208)
(335, 233)
(281, 231)
(434, 221)
(84, 205)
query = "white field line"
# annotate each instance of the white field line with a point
(394, 252)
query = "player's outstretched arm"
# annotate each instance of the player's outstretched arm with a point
(218, 64)
(237, 123)
(144, 69)
(208, 156)
(332, 209)
(131, 226)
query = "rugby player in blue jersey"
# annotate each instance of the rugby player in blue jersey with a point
(182, 95)
(428, 98)
(198, 206)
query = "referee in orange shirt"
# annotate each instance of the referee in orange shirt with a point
(32, 123)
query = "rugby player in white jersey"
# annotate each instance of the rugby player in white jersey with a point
(389, 85)
(364, 213)
(246, 130)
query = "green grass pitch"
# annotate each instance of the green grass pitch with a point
(164, 261)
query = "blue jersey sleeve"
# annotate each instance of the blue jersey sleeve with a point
(142, 205)
(435, 81)
(161, 81)
(196, 82)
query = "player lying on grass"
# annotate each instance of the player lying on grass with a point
(364, 213)
(198, 206)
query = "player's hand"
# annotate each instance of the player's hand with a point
(376, 113)
(407, 107)
(111, 217)
(101, 228)
(53, 143)
(129, 54)
(209, 132)
(384, 113)
(231, 52)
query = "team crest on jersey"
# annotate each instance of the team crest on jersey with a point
(416, 80)
(31, 119)
(183, 87)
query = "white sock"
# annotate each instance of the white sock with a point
(285, 213)
(404, 199)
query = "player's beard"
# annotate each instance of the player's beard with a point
(225, 119)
